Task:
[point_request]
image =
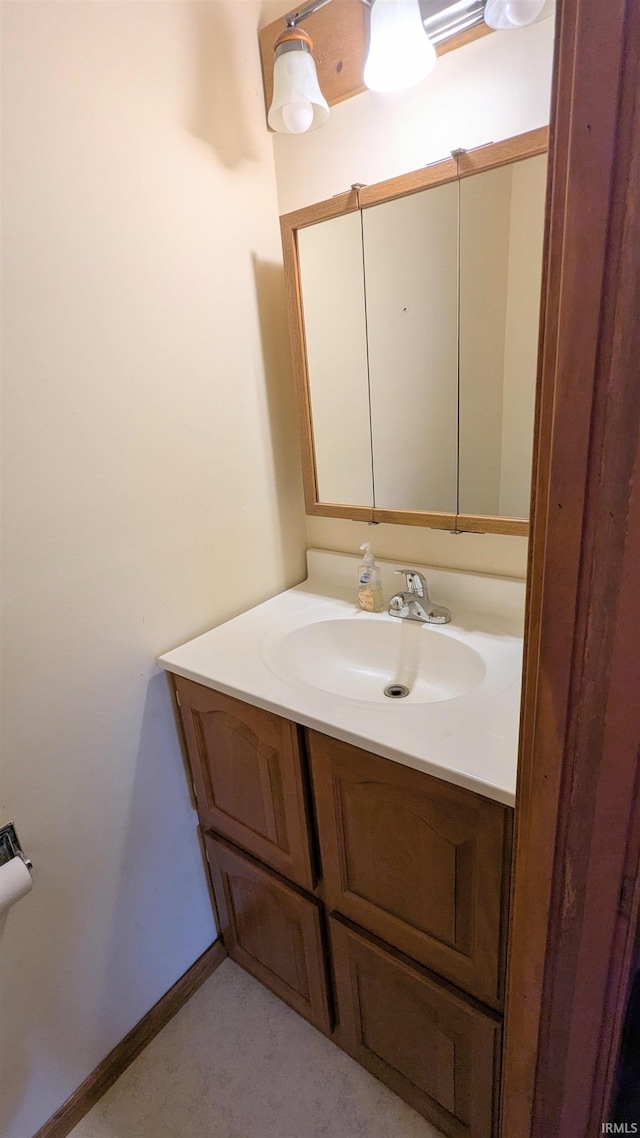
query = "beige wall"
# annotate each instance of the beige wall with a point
(151, 488)
(491, 89)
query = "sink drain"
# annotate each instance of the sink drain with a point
(396, 691)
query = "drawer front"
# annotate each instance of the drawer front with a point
(272, 930)
(416, 861)
(432, 1047)
(247, 770)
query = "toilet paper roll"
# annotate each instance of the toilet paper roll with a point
(15, 882)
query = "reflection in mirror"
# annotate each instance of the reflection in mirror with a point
(332, 287)
(410, 256)
(501, 242)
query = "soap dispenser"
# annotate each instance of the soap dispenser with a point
(370, 597)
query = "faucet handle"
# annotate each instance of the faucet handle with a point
(415, 582)
(396, 605)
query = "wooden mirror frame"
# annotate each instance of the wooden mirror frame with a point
(465, 164)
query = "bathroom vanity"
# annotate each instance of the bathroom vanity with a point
(362, 876)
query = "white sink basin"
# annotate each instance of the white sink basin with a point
(311, 656)
(359, 658)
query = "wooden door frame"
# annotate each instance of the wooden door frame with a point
(576, 893)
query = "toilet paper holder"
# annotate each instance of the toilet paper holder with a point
(10, 846)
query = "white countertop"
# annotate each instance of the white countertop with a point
(471, 740)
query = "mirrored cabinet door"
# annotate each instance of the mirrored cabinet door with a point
(501, 241)
(411, 284)
(333, 307)
(414, 308)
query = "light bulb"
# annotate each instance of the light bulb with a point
(522, 12)
(505, 14)
(297, 116)
(400, 52)
(298, 104)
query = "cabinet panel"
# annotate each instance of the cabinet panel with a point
(247, 769)
(431, 1046)
(271, 929)
(415, 860)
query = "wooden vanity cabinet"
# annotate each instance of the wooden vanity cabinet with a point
(247, 772)
(419, 862)
(439, 1051)
(412, 886)
(272, 929)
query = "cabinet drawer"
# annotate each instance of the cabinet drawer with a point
(247, 769)
(430, 1045)
(416, 861)
(272, 929)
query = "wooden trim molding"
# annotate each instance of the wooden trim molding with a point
(480, 523)
(105, 1075)
(415, 518)
(577, 807)
(436, 174)
(332, 510)
(346, 202)
(495, 154)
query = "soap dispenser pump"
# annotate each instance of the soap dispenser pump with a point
(370, 597)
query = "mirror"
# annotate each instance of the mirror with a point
(336, 346)
(501, 239)
(412, 320)
(414, 309)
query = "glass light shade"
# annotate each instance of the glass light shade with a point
(506, 14)
(298, 104)
(400, 52)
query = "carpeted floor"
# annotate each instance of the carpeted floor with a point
(235, 1062)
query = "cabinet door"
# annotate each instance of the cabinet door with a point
(272, 929)
(415, 860)
(247, 770)
(430, 1045)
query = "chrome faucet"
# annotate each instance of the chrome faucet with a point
(414, 603)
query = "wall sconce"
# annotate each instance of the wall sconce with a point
(400, 55)
(502, 15)
(298, 104)
(400, 51)
(341, 42)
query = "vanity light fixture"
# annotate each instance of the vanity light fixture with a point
(502, 15)
(298, 104)
(395, 43)
(400, 52)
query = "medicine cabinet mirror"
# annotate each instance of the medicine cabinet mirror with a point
(414, 308)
